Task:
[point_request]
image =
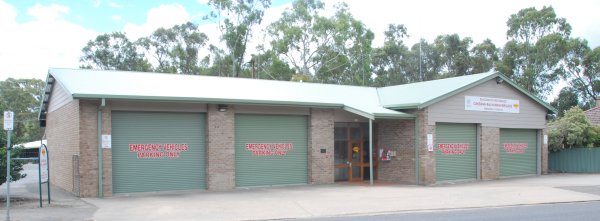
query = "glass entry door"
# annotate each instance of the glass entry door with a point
(351, 152)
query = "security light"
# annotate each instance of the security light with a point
(222, 107)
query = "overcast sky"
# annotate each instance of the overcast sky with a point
(37, 35)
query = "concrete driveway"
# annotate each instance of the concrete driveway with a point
(305, 201)
(344, 199)
(25, 201)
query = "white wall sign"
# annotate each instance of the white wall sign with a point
(44, 163)
(490, 104)
(106, 141)
(545, 139)
(8, 120)
(430, 142)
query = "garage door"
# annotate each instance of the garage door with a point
(518, 152)
(155, 151)
(271, 150)
(456, 151)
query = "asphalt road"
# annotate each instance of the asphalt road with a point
(580, 211)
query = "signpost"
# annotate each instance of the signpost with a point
(44, 175)
(8, 126)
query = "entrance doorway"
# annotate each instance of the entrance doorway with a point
(351, 152)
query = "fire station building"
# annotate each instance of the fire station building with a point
(114, 132)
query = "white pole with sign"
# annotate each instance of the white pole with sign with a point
(44, 175)
(8, 126)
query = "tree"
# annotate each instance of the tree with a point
(113, 52)
(567, 98)
(267, 65)
(425, 62)
(333, 49)
(347, 57)
(175, 49)
(483, 56)
(582, 70)
(236, 19)
(454, 53)
(390, 61)
(22, 96)
(536, 49)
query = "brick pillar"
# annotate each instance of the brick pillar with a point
(399, 136)
(220, 168)
(544, 153)
(107, 184)
(490, 153)
(88, 146)
(426, 158)
(321, 165)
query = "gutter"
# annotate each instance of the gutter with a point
(100, 167)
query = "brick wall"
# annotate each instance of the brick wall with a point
(427, 159)
(62, 133)
(399, 136)
(321, 169)
(220, 131)
(88, 145)
(490, 153)
(544, 153)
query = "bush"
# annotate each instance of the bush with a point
(572, 130)
(16, 166)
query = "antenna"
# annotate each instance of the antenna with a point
(420, 58)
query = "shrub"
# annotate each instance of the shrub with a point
(16, 166)
(572, 130)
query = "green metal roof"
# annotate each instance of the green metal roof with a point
(368, 102)
(422, 94)
(83, 83)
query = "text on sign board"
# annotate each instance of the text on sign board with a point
(474, 103)
(515, 147)
(453, 148)
(155, 150)
(269, 149)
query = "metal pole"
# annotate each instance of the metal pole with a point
(48, 167)
(8, 178)
(40, 173)
(370, 151)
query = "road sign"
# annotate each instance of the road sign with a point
(8, 120)
(43, 164)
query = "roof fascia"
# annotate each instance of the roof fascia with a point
(206, 100)
(359, 112)
(456, 91)
(515, 85)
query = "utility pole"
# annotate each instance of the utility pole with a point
(8, 126)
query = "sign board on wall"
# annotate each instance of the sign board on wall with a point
(44, 163)
(430, 142)
(106, 141)
(474, 103)
(453, 148)
(269, 149)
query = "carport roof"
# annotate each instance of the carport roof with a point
(83, 83)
